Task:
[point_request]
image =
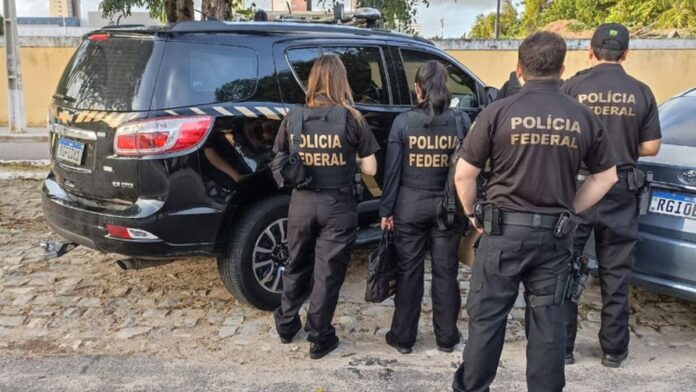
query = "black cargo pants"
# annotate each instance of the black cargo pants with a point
(530, 256)
(615, 223)
(321, 230)
(416, 230)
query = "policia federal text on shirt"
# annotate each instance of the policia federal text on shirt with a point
(421, 143)
(534, 142)
(628, 110)
(323, 216)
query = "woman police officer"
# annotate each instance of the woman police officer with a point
(420, 145)
(323, 217)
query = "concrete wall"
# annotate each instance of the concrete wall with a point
(667, 66)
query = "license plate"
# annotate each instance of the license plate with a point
(70, 151)
(675, 204)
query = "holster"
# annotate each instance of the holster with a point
(358, 188)
(580, 268)
(489, 217)
(635, 179)
(644, 194)
(566, 224)
(549, 291)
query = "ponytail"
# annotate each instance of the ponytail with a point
(432, 80)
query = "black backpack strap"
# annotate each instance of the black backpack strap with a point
(295, 123)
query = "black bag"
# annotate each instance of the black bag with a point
(447, 210)
(287, 167)
(381, 270)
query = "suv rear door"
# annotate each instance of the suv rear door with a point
(108, 81)
(371, 76)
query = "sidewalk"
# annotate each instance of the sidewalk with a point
(29, 146)
(32, 135)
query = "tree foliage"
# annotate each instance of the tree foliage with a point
(397, 14)
(484, 28)
(659, 14)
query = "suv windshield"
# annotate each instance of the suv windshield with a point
(109, 74)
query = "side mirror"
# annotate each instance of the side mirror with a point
(489, 95)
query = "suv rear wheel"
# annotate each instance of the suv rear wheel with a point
(252, 264)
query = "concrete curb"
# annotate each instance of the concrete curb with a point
(23, 138)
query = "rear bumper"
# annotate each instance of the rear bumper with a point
(666, 265)
(87, 227)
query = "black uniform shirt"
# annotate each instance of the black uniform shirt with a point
(359, 137)
(625, 105)
(536, 141)
(394, 164)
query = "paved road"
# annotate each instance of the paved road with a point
(79, 323)
(10, 151)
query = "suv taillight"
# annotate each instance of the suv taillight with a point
(162, 135)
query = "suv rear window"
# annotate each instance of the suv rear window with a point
(199, 74)
(109, 75)
(121, 74)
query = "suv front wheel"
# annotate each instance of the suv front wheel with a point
(252, 264)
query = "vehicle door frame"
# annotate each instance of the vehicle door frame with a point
(434, 51)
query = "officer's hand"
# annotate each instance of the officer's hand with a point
(387, 223)
(474, 224)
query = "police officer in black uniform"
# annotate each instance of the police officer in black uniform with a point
(421, 144)
(535, 142)
(628, 110)
(323, 217)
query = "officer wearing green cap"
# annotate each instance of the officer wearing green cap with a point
(628, 110)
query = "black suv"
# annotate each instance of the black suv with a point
(161, 136)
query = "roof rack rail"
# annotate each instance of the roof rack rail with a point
(123, 26)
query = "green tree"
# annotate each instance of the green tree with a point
(664, 14)
(169, 11)
(397, 14)
(589, 12)
(532, 17)
(484, 27)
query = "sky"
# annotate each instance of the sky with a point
(458, 15)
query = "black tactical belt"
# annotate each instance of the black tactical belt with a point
(537, 221)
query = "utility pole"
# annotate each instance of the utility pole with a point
(442, 28)
(14, 76)
(497, 21)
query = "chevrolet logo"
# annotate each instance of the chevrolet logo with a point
(64, 117)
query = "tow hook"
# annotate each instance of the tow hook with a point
(53, 249)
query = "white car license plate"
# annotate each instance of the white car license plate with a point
(675, 204)
(70, 151)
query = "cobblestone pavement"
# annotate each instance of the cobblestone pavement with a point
(57, 316)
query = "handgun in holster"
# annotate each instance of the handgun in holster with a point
(489, 217)
(639, 182)
(580, 268)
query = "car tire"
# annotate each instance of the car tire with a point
(243, 265)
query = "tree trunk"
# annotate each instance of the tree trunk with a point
(178, 10)
(217, 9)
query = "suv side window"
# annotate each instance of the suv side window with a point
(461, 86)
(364, 66)
(201, 74)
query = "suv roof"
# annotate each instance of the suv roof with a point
(264, 27)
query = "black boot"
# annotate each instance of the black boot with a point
(318, 350)
(391, 340)
(614, 361)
